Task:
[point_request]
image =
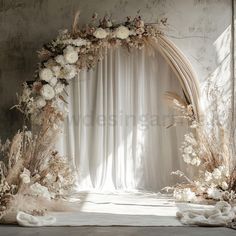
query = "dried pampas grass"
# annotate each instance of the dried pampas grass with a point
(210, 154)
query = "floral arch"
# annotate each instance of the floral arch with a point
(32, 171)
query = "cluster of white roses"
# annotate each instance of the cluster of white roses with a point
(190, 151)
(36, 189)
(217, 178)
(214, 183)
(184, 195)
(122, 32)
(50, 84)
(62, 67)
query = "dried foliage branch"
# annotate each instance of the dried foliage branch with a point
(211, 155)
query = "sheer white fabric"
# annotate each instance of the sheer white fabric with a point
(116, 131)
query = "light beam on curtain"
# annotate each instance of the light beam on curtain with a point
(116, 131)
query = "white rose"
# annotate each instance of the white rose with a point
(47, 92)
(122, 32)
(60, 60)
(80, 42)
(69, 72)
(216, 173)
(188, 149)
(25, 176)
(40, 102)
(59, 88)
(56, 70)
(45, 74)
(189, 138)
(208, 176)
(100, 33)
(198, 162)
(224, 170)
(193, 161)
(70, 55)
(224, 185)
(53, 81)
(184, 195)
(186, 158)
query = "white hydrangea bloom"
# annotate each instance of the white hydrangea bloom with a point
(47, 92)
(70, 55)
(122, 32)
(100, 33)
(45, 74)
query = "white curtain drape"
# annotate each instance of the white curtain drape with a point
(116, 133)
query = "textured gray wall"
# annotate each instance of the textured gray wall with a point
(201, 29)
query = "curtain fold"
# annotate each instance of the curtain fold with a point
(116, 133)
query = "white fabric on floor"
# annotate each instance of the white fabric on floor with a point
(116, 131)
(125, 209)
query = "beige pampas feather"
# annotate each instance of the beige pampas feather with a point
(75, 23)
(174, 99)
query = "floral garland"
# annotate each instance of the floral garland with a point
(32, 171)
(70, 52)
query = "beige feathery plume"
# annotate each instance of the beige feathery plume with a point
(75, 23)
(174, 99)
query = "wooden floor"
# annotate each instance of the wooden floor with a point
(115, 231)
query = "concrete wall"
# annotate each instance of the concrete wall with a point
(201, 29)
